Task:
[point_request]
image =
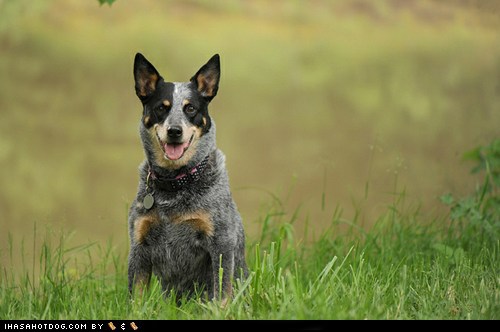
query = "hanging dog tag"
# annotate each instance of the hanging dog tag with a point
(148, 201)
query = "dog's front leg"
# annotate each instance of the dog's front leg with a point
(222, 269)
(139, 270)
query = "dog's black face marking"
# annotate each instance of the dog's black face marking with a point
(158, 105)
(196, 111)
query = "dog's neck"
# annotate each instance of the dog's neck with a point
(173, 180)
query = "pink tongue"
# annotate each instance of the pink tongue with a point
(175, 151)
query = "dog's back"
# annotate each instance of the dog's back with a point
(184, 225)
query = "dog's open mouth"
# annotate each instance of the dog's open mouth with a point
(175, 151)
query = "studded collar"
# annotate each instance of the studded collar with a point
(181, 180)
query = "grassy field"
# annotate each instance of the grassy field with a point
(403, 268)
(398, 271)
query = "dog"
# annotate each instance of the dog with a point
(184, 225)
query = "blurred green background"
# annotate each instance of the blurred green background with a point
(337, 102)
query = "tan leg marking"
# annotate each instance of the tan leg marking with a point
(199, 220)
(143, 225)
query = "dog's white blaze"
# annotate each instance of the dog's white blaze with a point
(181, 92)
(176, 116)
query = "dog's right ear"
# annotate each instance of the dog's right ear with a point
(146, 77)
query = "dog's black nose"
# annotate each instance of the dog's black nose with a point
(174, 131)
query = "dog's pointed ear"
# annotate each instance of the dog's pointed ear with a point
(207, 78)
(146, 77)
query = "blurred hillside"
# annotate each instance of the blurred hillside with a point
(353, 100)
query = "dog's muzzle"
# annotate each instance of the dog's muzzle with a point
(174, 148)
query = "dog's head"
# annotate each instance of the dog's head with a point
(175, 125)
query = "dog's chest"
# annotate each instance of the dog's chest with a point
(171, 235)
(178, 244)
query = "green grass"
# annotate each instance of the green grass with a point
(402, 268)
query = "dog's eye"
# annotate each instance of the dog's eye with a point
(161, 109)
(190, 110)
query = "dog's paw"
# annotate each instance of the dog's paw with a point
(221, 303)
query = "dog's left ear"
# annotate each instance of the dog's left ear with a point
(207, 78)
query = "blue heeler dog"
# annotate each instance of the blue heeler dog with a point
(183, 224)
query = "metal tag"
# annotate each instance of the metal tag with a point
(148, 201)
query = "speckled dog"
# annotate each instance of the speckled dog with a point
(184, 225)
